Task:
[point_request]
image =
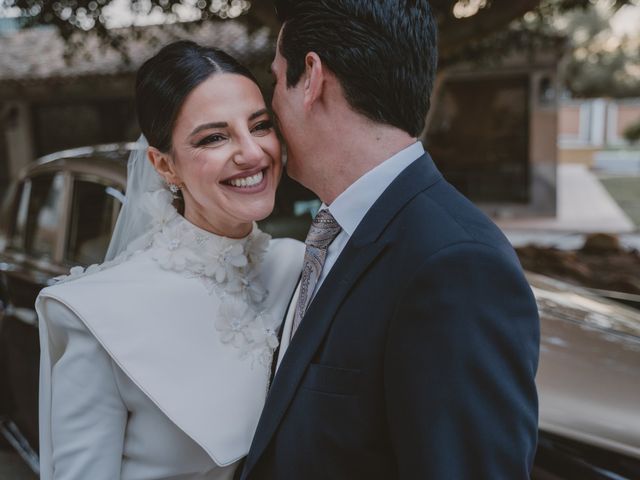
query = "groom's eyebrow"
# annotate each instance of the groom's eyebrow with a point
(211, 125)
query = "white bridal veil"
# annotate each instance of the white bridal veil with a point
(135, 223)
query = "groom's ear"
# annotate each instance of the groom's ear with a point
(163, 164)
(314, 78)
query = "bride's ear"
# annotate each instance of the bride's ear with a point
(163, 164)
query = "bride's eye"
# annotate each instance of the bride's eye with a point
(211, 139)
(262, 128)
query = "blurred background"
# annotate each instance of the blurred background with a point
(535, 117)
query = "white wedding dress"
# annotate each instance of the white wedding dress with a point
(155, 365)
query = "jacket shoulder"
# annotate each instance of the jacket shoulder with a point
(121, 275)
(440, 217)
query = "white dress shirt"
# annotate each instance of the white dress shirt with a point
(349, 208)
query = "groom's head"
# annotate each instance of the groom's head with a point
(382, 53)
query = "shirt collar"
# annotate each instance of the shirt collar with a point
(350, 207)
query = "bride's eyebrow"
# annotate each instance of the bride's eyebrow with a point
(207, 126)
(259, 113)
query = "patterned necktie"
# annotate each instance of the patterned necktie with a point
(324, 229)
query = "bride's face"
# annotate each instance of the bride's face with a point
(226, 155)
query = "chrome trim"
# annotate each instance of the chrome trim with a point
(115, 193)
(558, 457)
(631, 299)
(25, 315)
(11, 432)
(82, 151)
(7, 267)
(62, 233)
(586, 438)
(33, 269)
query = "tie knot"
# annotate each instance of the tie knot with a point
(324, 229)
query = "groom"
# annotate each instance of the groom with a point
(411, 345)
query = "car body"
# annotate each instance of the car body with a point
(588, 384)
(62, 209)
(34, 249)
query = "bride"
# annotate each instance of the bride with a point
(156, 364)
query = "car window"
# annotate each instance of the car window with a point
(17, 220)
(43, 214)
(94, 210)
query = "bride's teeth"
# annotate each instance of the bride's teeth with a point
(248, 181)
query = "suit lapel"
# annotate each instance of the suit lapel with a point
(306, 340)
(366, 244)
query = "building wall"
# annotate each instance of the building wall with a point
(587, 127)
(493, 134)
(627, 115)
(56, 115)
(582, 156)
(69, 124)
(569, 120)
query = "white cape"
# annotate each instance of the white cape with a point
(159, 327)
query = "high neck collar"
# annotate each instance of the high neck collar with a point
(228, 263)
(181, 246)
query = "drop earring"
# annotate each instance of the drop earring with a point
(174, 189)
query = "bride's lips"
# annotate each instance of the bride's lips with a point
(244, 181)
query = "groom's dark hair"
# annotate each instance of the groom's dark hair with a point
(383, 52)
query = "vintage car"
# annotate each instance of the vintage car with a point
(61, 211)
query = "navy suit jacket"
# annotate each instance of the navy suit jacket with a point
(416, 358)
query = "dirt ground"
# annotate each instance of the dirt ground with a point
(601, 263)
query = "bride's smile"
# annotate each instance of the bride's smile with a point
(248, 182)
(225, 156)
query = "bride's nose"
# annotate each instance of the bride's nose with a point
(249, 152)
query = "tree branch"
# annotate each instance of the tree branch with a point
(457, 33)
(263, 13)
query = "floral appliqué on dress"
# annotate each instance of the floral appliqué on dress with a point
(225, 266)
